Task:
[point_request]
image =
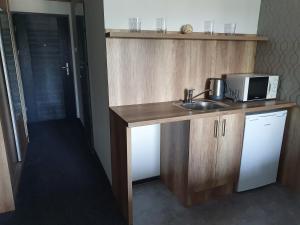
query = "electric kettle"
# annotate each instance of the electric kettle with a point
(217, 87)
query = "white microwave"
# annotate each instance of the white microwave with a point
(251, 87)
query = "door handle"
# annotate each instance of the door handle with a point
(224, 128)
(216, 129)
(67, 68)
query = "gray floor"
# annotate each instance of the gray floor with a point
(271, 205)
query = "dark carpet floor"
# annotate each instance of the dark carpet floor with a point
(62, 183)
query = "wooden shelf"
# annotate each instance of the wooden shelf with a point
(179, 36)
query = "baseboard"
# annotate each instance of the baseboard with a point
(147, 180)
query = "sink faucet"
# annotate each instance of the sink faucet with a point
(190, 92)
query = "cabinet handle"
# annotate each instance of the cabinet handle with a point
(67, 68)
(224, 128)
(216, 128)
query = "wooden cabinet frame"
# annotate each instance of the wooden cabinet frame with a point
(175, 156)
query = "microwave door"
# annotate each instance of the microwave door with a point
(258, 88)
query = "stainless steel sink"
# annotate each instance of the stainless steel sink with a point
(202, 105)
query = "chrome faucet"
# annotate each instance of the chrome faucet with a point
(190, 92)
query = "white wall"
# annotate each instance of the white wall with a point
(53, 7)
(96, 45)
(178, 12)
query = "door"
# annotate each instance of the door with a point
(203, 150)
(45, 58)
(231, 130)
(84, 77)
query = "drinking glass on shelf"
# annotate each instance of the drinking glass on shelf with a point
(230, 28)
(161, 25)
(135, 24)
(209, 27)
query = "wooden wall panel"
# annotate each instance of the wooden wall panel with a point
(289, 174)
(235, 57)
(6, 192)
(146, 70)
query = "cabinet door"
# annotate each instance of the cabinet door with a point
(231, 131)
(202, 154)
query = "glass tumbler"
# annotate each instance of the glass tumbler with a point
(230, 28)
(161, 25)
(135, 24)
(209, 27)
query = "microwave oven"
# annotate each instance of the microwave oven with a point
(251, 87)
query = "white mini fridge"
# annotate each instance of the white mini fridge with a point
(261, 150)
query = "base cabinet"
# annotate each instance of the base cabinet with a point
(200, 158)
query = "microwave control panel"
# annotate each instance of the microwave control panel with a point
(273, 87)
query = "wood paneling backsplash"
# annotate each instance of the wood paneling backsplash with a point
(146, 70)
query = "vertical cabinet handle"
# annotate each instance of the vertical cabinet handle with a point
(224, 128)
(216, 128)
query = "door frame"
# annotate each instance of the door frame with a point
(72, 51)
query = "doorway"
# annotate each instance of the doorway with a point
(45, 55)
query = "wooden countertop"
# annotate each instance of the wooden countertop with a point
(157, 113)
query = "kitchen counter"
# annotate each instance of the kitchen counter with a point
(165, 112)
(124, 118)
